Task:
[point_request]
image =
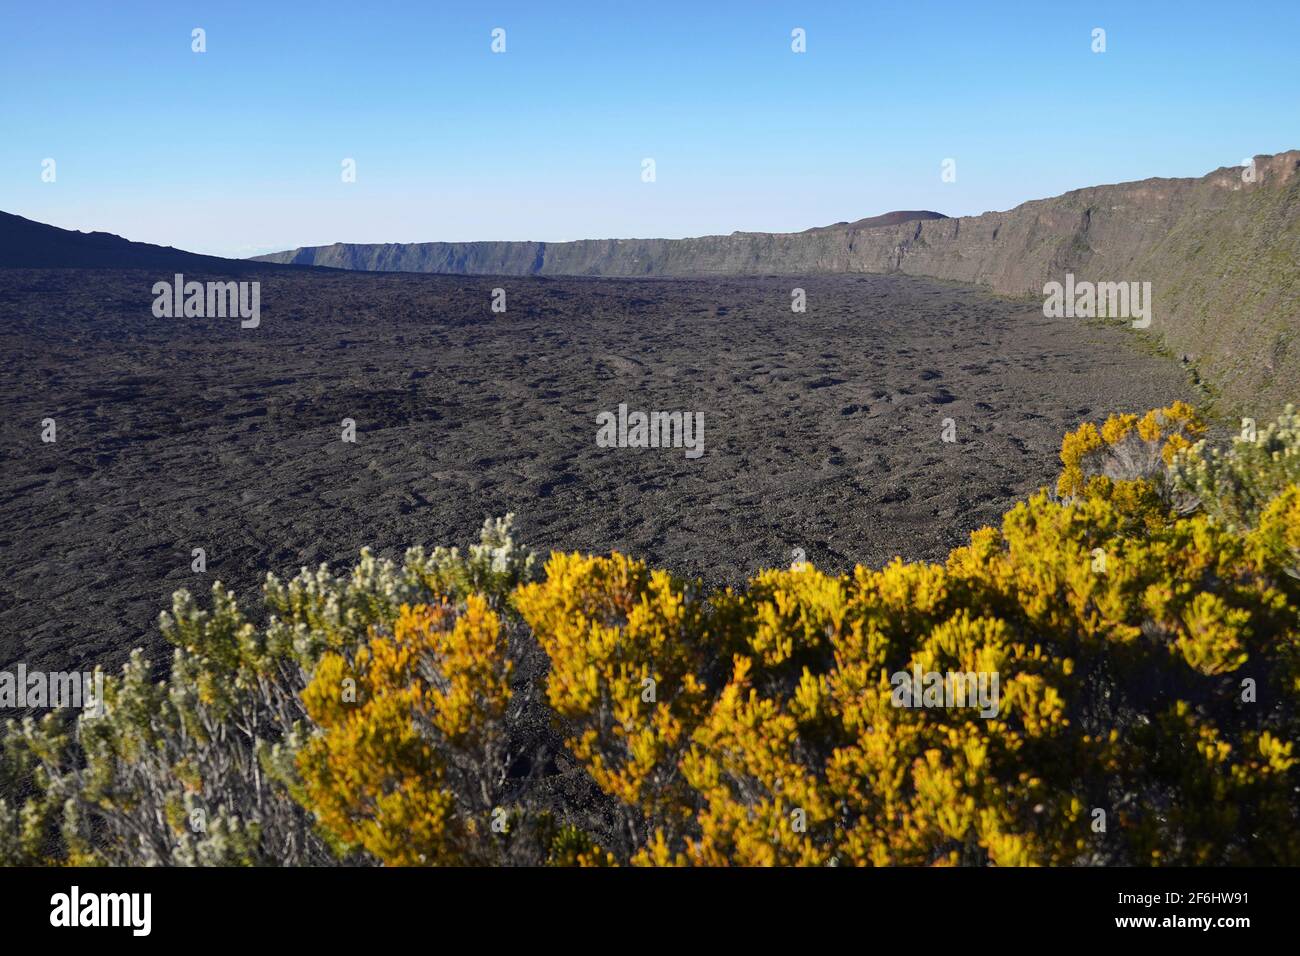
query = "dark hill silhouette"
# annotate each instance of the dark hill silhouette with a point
(25, 244)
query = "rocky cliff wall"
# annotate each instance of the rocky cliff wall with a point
(1222, 254)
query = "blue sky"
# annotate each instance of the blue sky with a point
(238, 150)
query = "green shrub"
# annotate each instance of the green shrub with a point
(1235, 485)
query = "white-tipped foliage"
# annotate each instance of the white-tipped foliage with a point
(199, 769)
(1234, 485)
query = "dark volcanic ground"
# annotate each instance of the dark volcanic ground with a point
(822, 430)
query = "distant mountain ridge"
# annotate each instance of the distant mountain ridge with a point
(603, 257)
(1221, 251)
(888, 219)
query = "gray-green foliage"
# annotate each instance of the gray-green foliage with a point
(199, 769)
(319, 611)
(1234, 485)
(31, 800)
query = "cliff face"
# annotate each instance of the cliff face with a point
(1222, 255)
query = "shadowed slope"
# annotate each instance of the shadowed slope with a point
(25, 244)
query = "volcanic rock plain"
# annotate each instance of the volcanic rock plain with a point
(823, 431)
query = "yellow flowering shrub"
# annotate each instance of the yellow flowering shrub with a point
(1277, 538)
(1127, 447)
(408, 712)
(1134, 647)
(627, 650)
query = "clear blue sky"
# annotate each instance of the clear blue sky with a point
(238, 150)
